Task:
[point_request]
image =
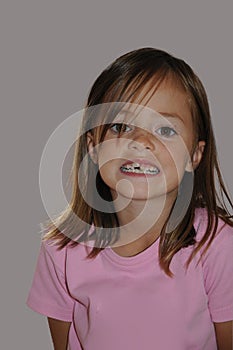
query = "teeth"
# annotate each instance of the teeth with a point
(139, 169)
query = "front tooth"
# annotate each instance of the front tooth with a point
(138, 168)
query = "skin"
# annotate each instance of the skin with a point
(224, 335)
(59, 332)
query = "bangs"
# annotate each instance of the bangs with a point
(129, 89)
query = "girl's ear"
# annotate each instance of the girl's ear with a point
(196, 157)
(91, 148)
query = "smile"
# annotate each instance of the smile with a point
(138, 168)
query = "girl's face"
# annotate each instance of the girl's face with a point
(149, 147)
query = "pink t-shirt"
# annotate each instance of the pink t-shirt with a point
(129, 303)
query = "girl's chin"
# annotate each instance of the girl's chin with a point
(138, 196)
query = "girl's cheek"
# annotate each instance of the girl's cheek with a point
(178, 156)
(106, 154)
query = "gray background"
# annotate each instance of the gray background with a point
(51, 52)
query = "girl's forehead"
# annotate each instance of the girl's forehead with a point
(169, 98)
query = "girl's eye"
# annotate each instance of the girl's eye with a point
(166, 131)
(119, 128)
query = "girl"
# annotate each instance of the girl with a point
(142, 258)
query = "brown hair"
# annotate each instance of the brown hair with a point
(122, 81)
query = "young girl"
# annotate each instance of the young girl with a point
(142, 257)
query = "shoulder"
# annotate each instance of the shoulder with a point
(224, 233)
(217, 260)
(53, 253)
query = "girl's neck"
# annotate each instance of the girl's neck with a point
(140, 224)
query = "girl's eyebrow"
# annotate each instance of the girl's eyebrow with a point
(172, 115)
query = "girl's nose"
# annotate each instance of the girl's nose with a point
(142, 141)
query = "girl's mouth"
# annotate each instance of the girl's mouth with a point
(138, 168)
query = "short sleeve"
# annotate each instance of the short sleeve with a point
(218, 275)
(49, 294)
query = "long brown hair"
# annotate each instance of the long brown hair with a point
(123, 80)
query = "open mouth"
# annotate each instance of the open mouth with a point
(138, 168)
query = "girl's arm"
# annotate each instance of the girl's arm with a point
(224, 335)
(59, 331)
